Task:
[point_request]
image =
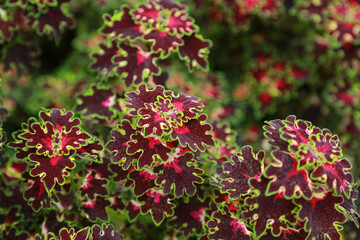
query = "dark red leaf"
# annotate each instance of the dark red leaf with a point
(136, 101)
(322, 217)
(14, 234)
(119, 144)
(194, 133)
(133, 209)
(60, 118)
(273, 212)
(123, 28)
(105, 233)
(287, 175)
(147, 13)
(273, 134)
(221, 133)
(23, 57)
(158, 204)
(6, 30)
(237, 172)
(335, 176)
(51, 168)
(52, 21)
(194, 50)
(163, 42)
(143, 179)
(103, 60)
(225, 226)
(148, 147)
(179, 23)
(189, 216)
(98, 103)
(178, 175)
(93, 184)
(139, 64)
(96, 209)
(188, 105)
(66, 234)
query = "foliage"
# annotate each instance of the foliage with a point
(142, 119)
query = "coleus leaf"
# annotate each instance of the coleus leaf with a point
(20, 144)
(93, 184)
(97, 103)
(149, 147)
(121, 25)
(133, 209)
(147, 13)
(179, 23)
(163, 42)
(273, 212)
(288, 176)
(106, 232)
(322, 148)
(223, 225)
(91, 149)
(119, 144)
(135, 101)
(194, 133)
(194, 51)
(51, 142)
(321, 215)
(53, 223)
(139, 64)
(60, 119)
(6, 30)
(221, 133)
(81, 234)
(36, 193)
(159, 117)
(158, 204)
(101, 168)
(178, 174)
(335, 177)
(349, 207)
(189, 215)
(143, 179)
(51, 168)
(22, 56)
(96, 208)
(237, 172)
(297, 132)
(188, 105)
(14, 234)
(287, 234)
(103, 60)
(52, 20)
(273, 134)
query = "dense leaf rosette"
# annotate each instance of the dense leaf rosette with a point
(155, 30)
(306, 157)
(52, 143)
(162, 113)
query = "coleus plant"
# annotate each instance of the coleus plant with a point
(165, 159)
(136, 39)
(161, 168)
